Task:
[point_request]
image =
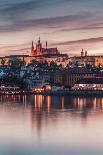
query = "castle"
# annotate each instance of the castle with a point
(40, 51)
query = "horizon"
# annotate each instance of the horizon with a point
(65, 24)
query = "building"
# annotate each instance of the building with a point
(39, 50)
(85, 59)
(14, 58)
(43, 54)
(99, 61)
(38, 53)
(38, 80)
(68, 77)
(89, 84)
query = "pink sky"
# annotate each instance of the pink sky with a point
(68, 25)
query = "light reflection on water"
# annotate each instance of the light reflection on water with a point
(45, 125)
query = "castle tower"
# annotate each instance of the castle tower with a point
(32, 45)
(86, 53)
(46, 44)
(82, 53)
(39, 40)
(39, 47)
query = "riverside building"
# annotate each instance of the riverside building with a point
(68, 77)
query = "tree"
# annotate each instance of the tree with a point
(53, 64)
(12, 80)
(3, 62)
(34, 61)
(76, 64)
(9, 62)
(88, 66)
(16, 63)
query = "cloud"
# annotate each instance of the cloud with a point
(43, 23)
(82, 41)
(80, 28)
(26, 14)
(14, 11)
(21, 49)
(14, 48)
(34, 16)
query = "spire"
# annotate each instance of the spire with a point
(46, 44)
(39, 40)
(32, 47)
(32, 44)
(82, 53)
(86, 53)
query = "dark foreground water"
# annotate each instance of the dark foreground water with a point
(38, 125)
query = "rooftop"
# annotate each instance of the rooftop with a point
(76, 70)
(97, 80)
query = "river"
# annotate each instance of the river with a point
(51, 125)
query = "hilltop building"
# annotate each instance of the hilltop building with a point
(39, 50)
(39, 53)
(85, 59)
(43, 54)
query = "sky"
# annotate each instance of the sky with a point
(69, 25)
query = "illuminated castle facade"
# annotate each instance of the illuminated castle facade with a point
(39, 50)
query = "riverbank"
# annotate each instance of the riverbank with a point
(71, 93)
(86, 93)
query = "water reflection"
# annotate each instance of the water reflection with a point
(49, 103)
(51, 125)
(58, 104)
(46, 108)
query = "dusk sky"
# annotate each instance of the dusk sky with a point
(69, 25)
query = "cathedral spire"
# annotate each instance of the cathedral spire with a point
(82, 53)
(32, 44)
(46, 44)
(39, 40)
(32, 48)
(86, 53)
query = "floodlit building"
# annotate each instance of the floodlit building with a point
(38, 53)
(89, 84)
(85, 59)
(39, 50)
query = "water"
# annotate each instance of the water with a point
(51, 125)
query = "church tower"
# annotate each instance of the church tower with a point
(32, 49)
(86, 54)
(39, 47)
(46, 45)
(82, 53)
